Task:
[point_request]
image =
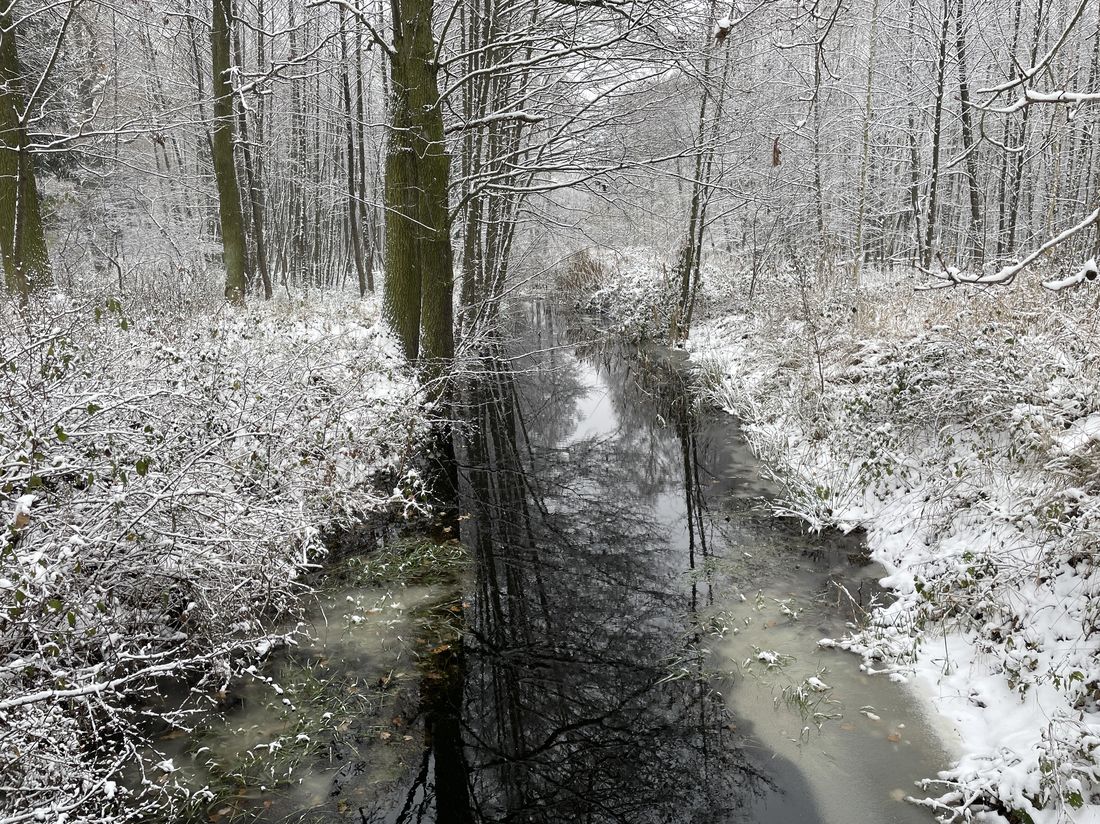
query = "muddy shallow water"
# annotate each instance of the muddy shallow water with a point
(630, 637)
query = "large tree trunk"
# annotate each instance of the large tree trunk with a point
(22, 240)
(225, 172)
(419, 269)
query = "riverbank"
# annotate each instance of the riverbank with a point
(961, 431)
(168, 480)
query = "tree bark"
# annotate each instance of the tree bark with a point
(937, 139)
(418, 298)
(977, 249)
(22, 239)
(225, 172)
(355, 225)
(865, 154)
(253, 169)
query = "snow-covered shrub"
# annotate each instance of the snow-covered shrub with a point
(637, 298)
(164, 482)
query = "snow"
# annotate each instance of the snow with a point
(962, 434)
(972, 545)
(165, 478)
(1081, 434)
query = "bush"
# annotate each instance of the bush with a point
(165, 482)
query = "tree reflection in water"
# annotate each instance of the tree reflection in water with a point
(576, 693)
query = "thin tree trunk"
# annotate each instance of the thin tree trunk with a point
(365, 217)
(977, 249)
(819, 187)
(914, 149)
(252, 175)
(1017, 196)
(1006, 168)
(354, 225)
(937, 138)
(689, 264)
(865, 154)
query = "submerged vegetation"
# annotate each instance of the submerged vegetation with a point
(341, 695)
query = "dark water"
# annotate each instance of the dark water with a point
(604, 655)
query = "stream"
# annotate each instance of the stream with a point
(623, 634)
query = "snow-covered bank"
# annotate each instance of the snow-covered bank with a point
(962, 431)
(165, 482)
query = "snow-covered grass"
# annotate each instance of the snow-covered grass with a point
(165, 481)
(961, 430)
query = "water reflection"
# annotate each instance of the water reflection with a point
(581, 664)
(584, 697)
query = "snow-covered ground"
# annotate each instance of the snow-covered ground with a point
(961, 430)
(165, 480)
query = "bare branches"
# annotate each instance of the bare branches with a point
(1026, 75)
(362, 16)
(1007, 274)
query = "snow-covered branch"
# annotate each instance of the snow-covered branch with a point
(1007, 274)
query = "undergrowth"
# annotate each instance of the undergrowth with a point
(165, 481)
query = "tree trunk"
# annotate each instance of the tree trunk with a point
(865, 154)
(1006, 156)
(365, 217)
(1017, 177)
(977, 249)
(225, 173)
(355, 226)
(690, 263)
(937, 139)
(914, 149)
(253, 170)
(819, 186)
(419, 271)
(22, 239)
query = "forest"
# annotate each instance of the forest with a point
(525, 410)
